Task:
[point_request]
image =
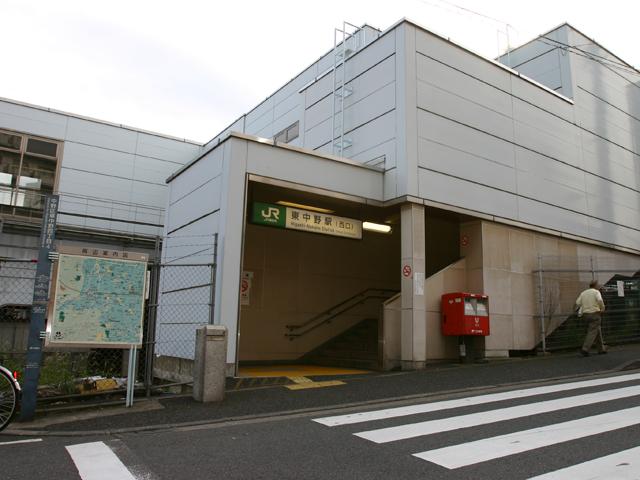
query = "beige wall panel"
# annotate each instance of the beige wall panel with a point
(526, 332)
(495, 241)
(523, 294)
(471, 244)
(501, 337)
(522, 251)
(498, 286)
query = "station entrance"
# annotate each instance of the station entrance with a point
(314, 295)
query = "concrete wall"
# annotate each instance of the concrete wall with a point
(114, 173)
(500, 263)
(297, 275)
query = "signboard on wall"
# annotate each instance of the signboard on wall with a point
(305, 220)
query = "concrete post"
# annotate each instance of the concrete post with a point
(210, 363)
(414, 316)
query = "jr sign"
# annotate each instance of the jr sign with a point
(299, 219)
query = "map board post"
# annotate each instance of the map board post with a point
(98, 302)
(39, 308)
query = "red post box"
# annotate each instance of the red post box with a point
(465, 314)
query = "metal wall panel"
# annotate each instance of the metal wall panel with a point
(151, 170)
(553, 217)
(167, 149)
(525, 92)
(94, 185)
(101, 135)
(208, 167)
(461, 193)
(458, 163)
(32, 120)
(442, 130)
(373, 156)
(437, 100)
(613, 234)
(380, 129)
(314, 171)
(202, 200)
(439, 49)
(98, 160)
(461, 84)
(544, 69)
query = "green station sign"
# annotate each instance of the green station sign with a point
(305, 220)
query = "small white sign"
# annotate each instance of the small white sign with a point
(418, 283)
(245, 288)
(620, 284)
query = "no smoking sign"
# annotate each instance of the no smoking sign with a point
(406, 271)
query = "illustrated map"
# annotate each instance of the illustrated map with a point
(98, 301)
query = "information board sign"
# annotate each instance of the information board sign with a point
(98, 299)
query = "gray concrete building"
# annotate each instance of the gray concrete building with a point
(478, 168)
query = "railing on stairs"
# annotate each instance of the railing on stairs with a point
(296, 331)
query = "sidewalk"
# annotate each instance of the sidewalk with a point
(173, 411)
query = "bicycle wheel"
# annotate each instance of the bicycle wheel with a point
(8, 399)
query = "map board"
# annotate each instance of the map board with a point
(98, 299)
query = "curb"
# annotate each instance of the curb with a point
(297, 413)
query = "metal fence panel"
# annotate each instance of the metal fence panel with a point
(559, 281)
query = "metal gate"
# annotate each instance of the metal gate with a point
(559, 281)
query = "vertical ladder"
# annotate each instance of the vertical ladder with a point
(341, 52)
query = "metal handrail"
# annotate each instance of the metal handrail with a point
(329, 314)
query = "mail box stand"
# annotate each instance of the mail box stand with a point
(466, 315)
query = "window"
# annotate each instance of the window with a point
(27, 171)
(288, 134)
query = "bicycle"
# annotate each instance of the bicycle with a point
(9, 396)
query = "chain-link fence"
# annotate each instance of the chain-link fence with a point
(559, 281)
(169, 330)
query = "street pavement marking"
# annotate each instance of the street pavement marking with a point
(15, 442)
(470, 453)
(303, 383)
(623, 465)
(402, 432)
(96, 461)
(465, 402)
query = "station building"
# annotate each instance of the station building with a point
(397, 167)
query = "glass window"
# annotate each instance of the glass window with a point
(25, 177)
(8, 140)
(41, 147)
(293, 131)
(288, 134)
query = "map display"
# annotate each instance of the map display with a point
(98, 302)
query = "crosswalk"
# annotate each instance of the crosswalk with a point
(413, 424)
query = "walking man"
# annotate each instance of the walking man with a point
(590, 307)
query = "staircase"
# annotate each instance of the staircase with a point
(356, 347)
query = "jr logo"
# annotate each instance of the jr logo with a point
(271, 213)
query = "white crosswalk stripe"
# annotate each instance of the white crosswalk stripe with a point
(403, 432)
(96, 461)
(465, 402)
(623, 465)
(497, 447)
(619, 466)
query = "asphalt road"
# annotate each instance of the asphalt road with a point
(515, 433)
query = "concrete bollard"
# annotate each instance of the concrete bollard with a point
(210, 363)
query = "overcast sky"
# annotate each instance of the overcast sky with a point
(189, 68)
